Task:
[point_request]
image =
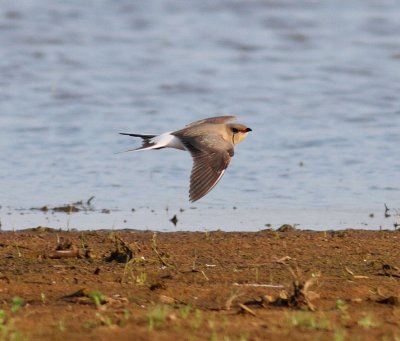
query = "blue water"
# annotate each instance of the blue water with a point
(318, 82)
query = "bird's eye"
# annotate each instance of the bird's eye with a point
(235, 130)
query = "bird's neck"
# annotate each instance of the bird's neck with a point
(237, 138)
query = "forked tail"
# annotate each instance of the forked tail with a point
(165, 140)
(140, 135)
(147, 143)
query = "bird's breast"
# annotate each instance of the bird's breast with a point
(239, 137)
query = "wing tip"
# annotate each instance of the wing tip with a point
(193, 199)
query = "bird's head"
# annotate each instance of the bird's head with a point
(238, 131)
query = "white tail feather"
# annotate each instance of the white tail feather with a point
(165, 140)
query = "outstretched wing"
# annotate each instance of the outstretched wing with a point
(213, 120)
(211, 156)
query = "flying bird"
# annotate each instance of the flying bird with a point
(211, 143)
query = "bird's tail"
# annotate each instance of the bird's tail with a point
(143, 136)
(147, 142)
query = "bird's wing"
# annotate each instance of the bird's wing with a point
(213, 120)
(211, 156)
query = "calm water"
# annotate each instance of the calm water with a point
(318, 82)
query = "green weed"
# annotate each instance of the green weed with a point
(157, 316)
(89, 325)
(7, 330)
(197, 319)
(141, 278)
(367, 322)
(16, 303)
(184, 311)
(105, 320)
(127, 314)
(343, 307)
(310, 321)
(97, 297)
(339, 335)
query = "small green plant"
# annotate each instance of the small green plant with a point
(367, 322)
(309, 321)
(7, 330)
(157, 316)
(127, 314)
(343, 307)
(97, 297)
(128, 268)
(141, 278)
(105, 320)
(197, 319)
(160, 255)
(339, 335)
(89, 325)
(16, 303)
(184, 311)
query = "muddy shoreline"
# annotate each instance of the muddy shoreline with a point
(143, 285)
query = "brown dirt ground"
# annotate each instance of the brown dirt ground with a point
(57, 285)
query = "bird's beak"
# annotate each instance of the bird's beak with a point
(248, 129)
